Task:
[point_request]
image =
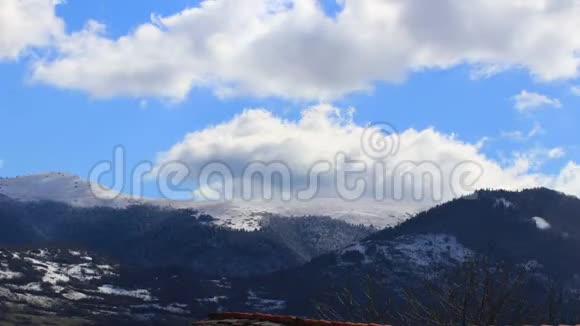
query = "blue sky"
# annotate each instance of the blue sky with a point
(50, 127)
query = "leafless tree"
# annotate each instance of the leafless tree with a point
(349, 305)
(481, 291)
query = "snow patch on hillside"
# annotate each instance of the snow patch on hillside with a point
(257, 303)
(427, 249)
(502, 202)
(541, 223)
(419, 252)
(214, 299)
(9, 275)
(113, 290)
(246, 215)
(175, 308)
(56, 280)
(64, 188)
(55, 273)
(75, 296)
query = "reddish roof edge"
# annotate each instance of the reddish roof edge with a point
(286, 320)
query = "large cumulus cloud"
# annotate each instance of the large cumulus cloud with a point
(293, 49)
(257, 135)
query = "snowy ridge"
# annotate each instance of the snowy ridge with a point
(248, 214)
(75, 191)
(64, 188)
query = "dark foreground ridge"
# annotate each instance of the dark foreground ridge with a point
(259, 319)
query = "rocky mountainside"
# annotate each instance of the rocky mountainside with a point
(533, 233)
(150, 236)
(511, 257)
(56, 282)
(534, 224)
(146, 263)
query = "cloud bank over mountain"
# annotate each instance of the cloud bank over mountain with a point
(257, 135)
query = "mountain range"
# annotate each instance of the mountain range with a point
(501, 257)
(240, 214)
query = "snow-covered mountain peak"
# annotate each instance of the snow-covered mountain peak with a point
(76, 191)
(61, 187)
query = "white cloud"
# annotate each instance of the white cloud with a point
(525, 101)
(323, 131)
(486, 71)
(568, 180)
(519, 135)
(534, 158)
(556, 152)
(536, 130)
(26, 23)
(575, 90)
(292, 49)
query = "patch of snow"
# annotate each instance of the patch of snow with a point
(51, 271)
(541, 223)
(106, 270)
(55, 273)
(42, 253)
(75, 296)
(113, 290)
(215, 299)
(30, 299)
(63, 188)
(427, 249)
(84, 272)
(421, 254)
(222, 283)
(264, 305)
(9, 275)
(57, 288)
(174, 308)
(246, 215)
(34, 287)
(503, 202)
(532, 265)
(80, 254)
(30, 287)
